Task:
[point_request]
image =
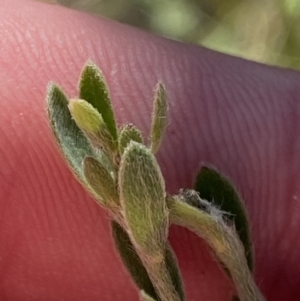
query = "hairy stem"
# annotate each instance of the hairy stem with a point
(224, 242)
(161, 279)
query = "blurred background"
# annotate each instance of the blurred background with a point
(266, 31)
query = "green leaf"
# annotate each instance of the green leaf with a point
(217, 189)
(172, 265)
(87, 118)
(90, 121)
(142, 197)
(72, 142)
(131, 260)
(145, 297)
(93, 89)
(101, 182)
(129, 133)
(136, 268)
(159, 118)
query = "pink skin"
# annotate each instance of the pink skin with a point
(239, 116)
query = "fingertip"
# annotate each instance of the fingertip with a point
(220, 108)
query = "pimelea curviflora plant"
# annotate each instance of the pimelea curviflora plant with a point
(120, 170)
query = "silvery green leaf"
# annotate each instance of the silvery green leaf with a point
(131, 260)
(93, 89)
(159, 118)
(129, 133)
(72, 142)
(142, 197)
(90, 121)
(101, 182)
(214, 187)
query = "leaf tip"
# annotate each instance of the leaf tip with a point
(159, 117)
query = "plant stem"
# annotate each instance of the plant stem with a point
(160, 278)
(224, 242)
(156, 268)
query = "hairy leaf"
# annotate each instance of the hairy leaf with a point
(159, 118)
(87, 118)
(172, 265)
(93, 89)
(90, 121)
(129, 133)
(101, 182)
(72, 142)
(142, 196)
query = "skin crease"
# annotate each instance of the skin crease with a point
(236, 115)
